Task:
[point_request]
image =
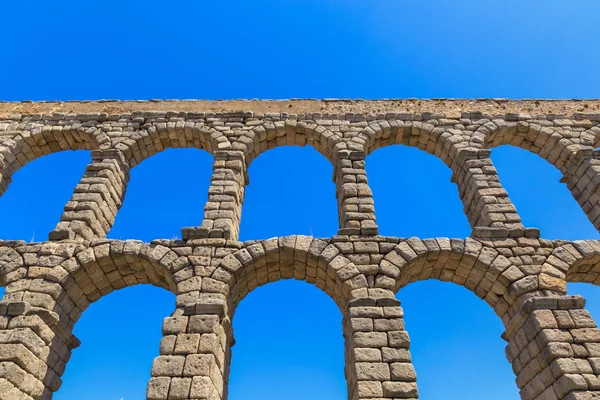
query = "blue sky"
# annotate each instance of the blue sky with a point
(289, 336)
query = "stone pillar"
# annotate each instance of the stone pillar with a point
(195, 353)
(554, 348)
(97, 199)
(223, 211)
(582, 177)
(355, 201)
(378, 361)
(486, 204)
(35, 347)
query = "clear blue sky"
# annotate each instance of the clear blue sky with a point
(289, 336)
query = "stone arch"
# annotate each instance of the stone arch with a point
(444, 142)
(431, 306)
(271, 134)
(564, 144)
(162, 135)
(580, 174)
(549, 142)
(115, 162)
(26, 146)
(591, 137)
(121, 326)
(301, 172)
(138, 199)
(59, 281)
(315, 261)
(273, 316)
(112, 265)
(422, 174)
(466, 262)
(67, 285)
(486, 205)
(91, 272)
(578, 261)
(570, 150)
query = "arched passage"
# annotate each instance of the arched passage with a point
(315, 261)
(482, 270)
(542, 201)
(119, 337)
(105, 267)
(65, 287)
(568, 148)
(591, 293)
(272, 134)
(577, 261)
(290, 192)
(289, 344)
(554, 144)
(38, 194)
(324, 264)
(172, 134)
(486, 205)
(414, 195)
(25, 146)
(456, 344)
(166, 192)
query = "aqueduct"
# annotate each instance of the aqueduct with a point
(553, 343)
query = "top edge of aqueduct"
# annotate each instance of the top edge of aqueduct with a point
(451, 108)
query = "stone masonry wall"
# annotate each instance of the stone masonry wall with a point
(553, 343)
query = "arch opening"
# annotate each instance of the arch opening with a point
(290, 192)
(38, 194)
(579, 262)
(28, 146)
(267, 136)
(542, 141)
(161, 136)
(590, 292)
(113, 266)
(542, 203)
(424, 212)
(290, 348)
(455, 339)
(115, 341)
(167, 192)
(480, 269)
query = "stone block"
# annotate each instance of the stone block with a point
(198, 365)
(369, 389)
(400, 389)
(180, 388)
(206, 323)
(372, 371)
(168, 366)
(370, 339)
(404, 372)
(187, 343)
(158, 388)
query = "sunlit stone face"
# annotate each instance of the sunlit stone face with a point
(49, 284)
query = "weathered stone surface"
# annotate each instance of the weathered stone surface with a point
(553, 343)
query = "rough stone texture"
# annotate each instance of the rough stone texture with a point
(553, 343)
(449, 107)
